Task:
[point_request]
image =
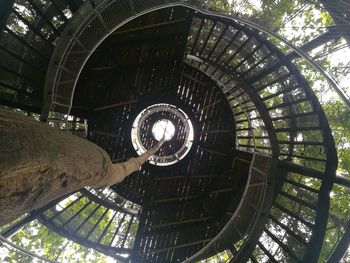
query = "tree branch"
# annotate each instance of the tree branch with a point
(39, 164)
(120, 171)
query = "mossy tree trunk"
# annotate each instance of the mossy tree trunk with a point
(39, 164)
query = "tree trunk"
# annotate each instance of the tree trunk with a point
(39, 164)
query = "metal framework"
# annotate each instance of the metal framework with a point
(260, 133)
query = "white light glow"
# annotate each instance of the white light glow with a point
(163, 128)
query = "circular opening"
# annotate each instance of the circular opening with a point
(163, 128)
(158, 121)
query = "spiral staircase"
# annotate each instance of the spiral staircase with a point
(255, 182)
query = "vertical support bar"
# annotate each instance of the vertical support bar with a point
(5, 7)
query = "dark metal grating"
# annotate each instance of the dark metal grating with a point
(260, 132)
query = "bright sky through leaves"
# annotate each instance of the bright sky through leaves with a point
(163, 128)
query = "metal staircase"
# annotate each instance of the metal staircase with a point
(258, 178)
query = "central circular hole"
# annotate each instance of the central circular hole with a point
(160, 121)
(163, 128)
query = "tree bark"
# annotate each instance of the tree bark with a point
(39, 164)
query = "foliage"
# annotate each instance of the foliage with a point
(36, 238)
(311, 22)
(221, 257)
(221, 5)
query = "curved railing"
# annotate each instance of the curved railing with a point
(18, 249)
(109, 198)
(94, 22)
(30, 30)
(94, 223)
(290, 113)
(236, 233)
(298, 128)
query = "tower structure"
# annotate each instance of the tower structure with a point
(250, 159)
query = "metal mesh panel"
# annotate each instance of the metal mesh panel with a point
(116, 12)
(238, 227)
(141, 5)
(302, 135)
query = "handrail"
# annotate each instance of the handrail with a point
(55, 72)
(340, 250)
(330, 79)
(25, 251)
(240, 208)
(108, 204)
(59, 61)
